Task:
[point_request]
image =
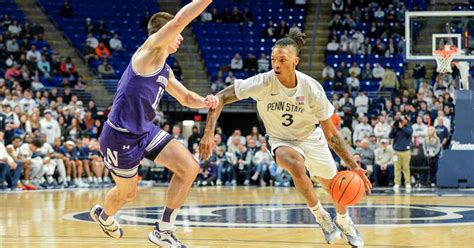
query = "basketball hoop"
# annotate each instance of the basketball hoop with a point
(444, 57)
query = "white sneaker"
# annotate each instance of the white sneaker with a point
(396, 187)
(330, 231)
(350, 232)
(218, 182)
(246, 182)
(165, 239)
(408, 188)
(113, 230)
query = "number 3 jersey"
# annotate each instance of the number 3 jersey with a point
(287, 114)
(136, 99)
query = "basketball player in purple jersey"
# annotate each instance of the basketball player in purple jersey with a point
(129, 134)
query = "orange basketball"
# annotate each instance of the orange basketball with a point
(347, 188)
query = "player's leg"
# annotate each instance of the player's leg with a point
(293, 161)
(125, 190)
(174, 156)
(321, 164)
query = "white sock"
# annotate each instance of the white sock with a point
(343, 217)
(99, 179)
(318, 209)
(68, 178)
(169, 225)
(106, 222)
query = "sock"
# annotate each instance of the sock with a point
(318, 209)
(342, 217)
(105, 219)
(168, 218)
(99, 179)
(68, 178)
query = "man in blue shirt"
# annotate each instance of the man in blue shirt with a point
(401, 136)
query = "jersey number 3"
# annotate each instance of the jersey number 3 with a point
(288, 120)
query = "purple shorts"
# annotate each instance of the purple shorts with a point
(123, 151)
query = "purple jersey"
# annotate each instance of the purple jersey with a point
(136, 99)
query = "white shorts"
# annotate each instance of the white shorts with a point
(315, 151)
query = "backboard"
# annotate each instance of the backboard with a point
(426, 31)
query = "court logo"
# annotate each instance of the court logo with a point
(294, 216)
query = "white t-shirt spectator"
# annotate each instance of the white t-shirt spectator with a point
(332, 46)
(378, 72)
(50, 129)
(115, 44)
(263, 65)
(36, 55)
(362, 104)
(27, 105)
(328, 72)
(15, 30)
(382, 130)
(236, 64)
(362, 131)
(419, 133)
(4, 154)
(93, 42)
(353, 82)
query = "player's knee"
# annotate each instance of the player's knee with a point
(188, 173)
(293, 164)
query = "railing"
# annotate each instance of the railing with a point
(313, 39)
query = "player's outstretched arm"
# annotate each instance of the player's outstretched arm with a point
(173, 28)
(337, 143)
(206, 146)
(189, 98)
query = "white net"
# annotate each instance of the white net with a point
(444, 58)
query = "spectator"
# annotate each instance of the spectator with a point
(442, 132)
(193, 140)
(263, 63)
(353, 83)
(206, 16)
(13, 73)
(420, 131)
(7, 21)
(361, 103)
(106, 70)
(282, 30)
(383, 164)
(236, 63)
(431, 150)
(66, 10)
(354, 46)
(102, 51)
(247, 16)
(116, 44)
(236, 16)
(33, 165)
(389, 81)
(251, 64)
(355, 69)
(92, 41)
(178, 72)
(336, 23)
(367, 155)
(11, 122)
(328, 73)
(367, 73)
(13, 47)
(363, 130)
(101, 28)
(365, 48)
(88, 25)
(337, 6)
(68, 69)
(236, 133)
(10, 171)
(33, 54)
(44, 67)
(263, 160)
(380, 47)
(332, 47)
(50, 127)
(225, 15)
(14, 29)
(207, 174)
(230, 79)
(382, 128)
(401, 134)
(269, 31)
(176, 133)
(27, 104)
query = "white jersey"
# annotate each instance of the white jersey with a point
(288, 114)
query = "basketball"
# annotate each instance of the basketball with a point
(347, 188)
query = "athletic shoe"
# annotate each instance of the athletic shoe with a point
(165, 239)
(396, 187)
(408, 188)
(350, 232)
(113, 230)
(247, 182)
(330, 231)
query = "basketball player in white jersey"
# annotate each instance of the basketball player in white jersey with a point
(297, 117)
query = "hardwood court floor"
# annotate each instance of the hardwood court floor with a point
(237, 217)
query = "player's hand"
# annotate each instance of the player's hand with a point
(206, 146)
(362, 173)
(211, 101)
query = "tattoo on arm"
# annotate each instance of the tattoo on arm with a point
(336, 143)
(225, 96)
